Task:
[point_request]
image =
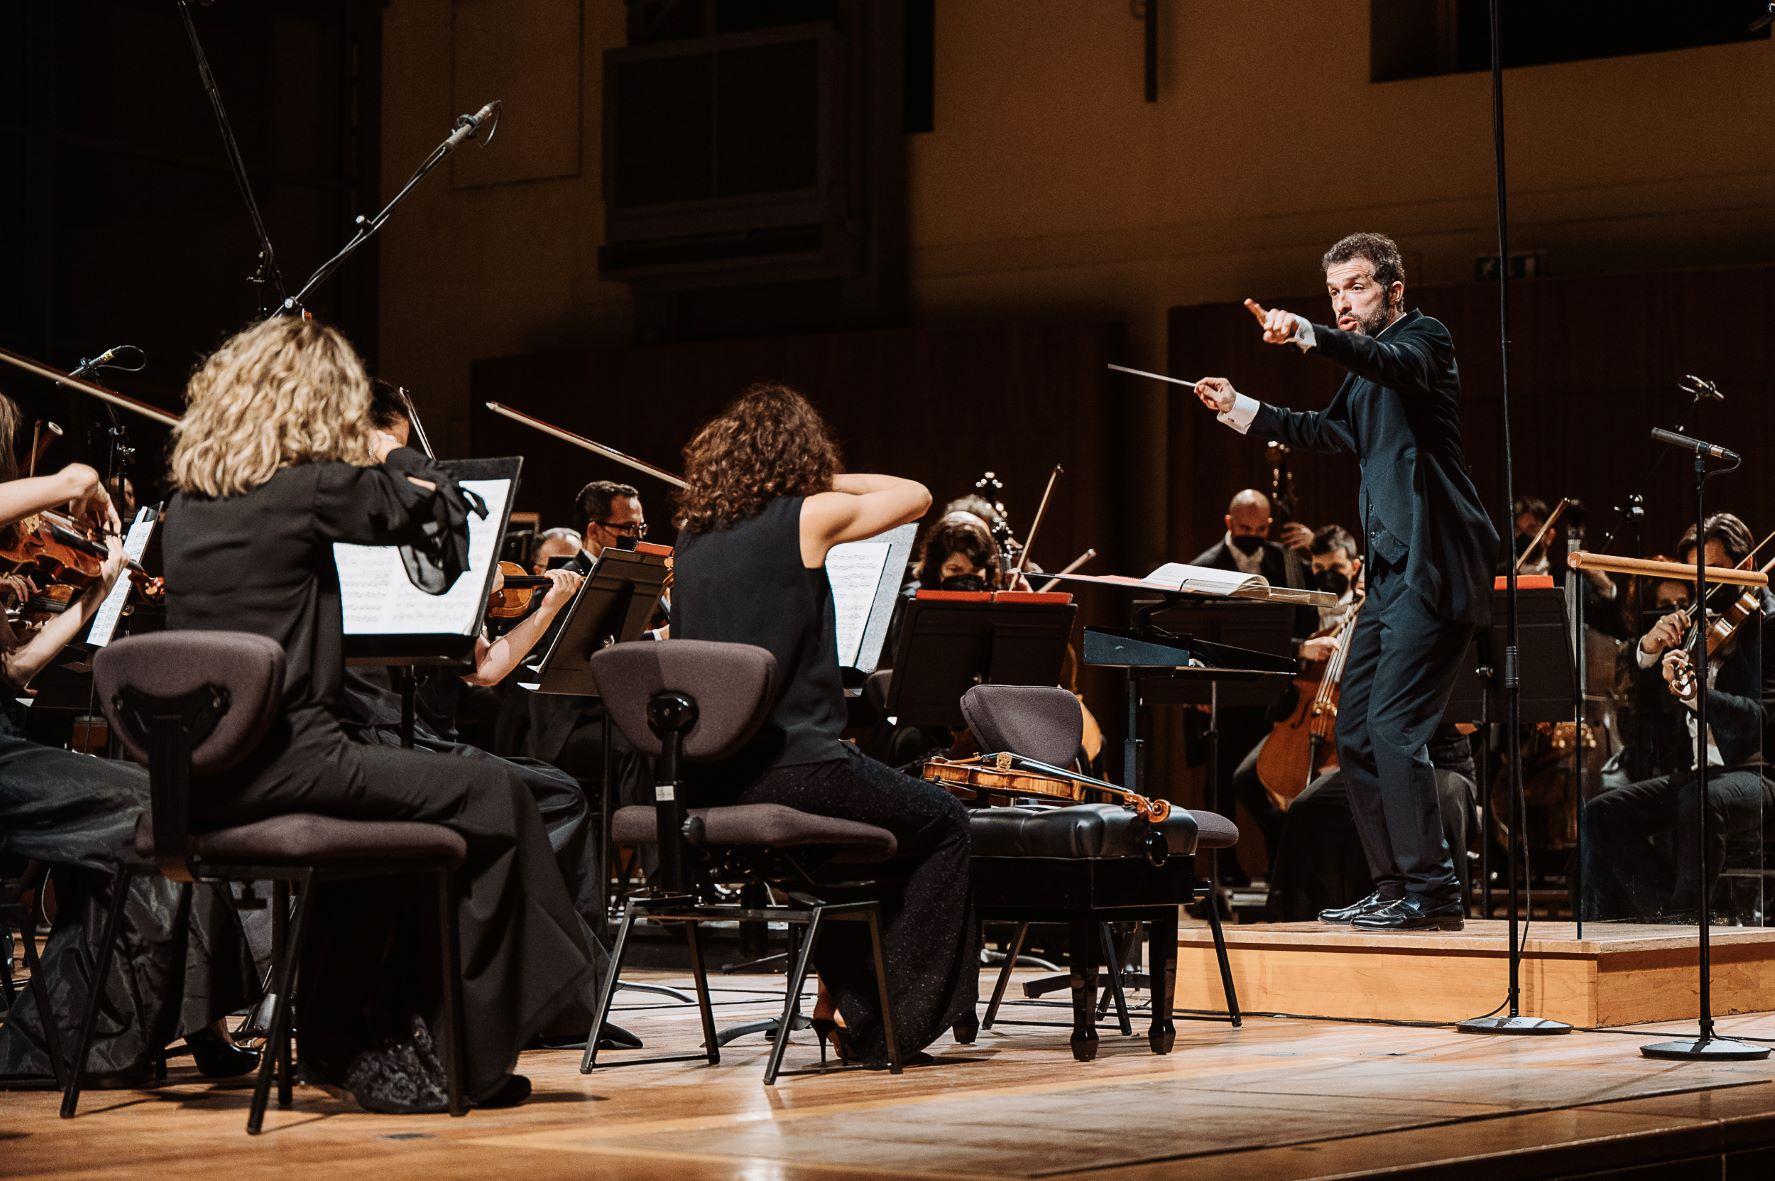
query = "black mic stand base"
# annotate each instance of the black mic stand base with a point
(1516, 1025)
(1706, 1049)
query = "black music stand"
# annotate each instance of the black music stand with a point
(614, 606)
(947, 646)
(434, 644)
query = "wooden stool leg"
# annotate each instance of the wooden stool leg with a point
(95, 992)
(1162, 964)
(1083, 964)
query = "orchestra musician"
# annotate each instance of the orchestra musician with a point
(1430, 549)
(1336, 567)
(275, 460)
(766, 502)
(1641, 852)
(369, 707)
(77, 814)
(552, 546)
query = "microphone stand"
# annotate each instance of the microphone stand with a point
(121, 451)
(1705, 1046)
(1513, 1022)
(466, 126)
(267, 270)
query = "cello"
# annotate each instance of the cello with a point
(1291, 756)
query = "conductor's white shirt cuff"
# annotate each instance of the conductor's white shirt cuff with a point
(1303, 334)
(1243, 411)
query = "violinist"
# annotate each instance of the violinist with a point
(77, 814)
(553, 547)
(766, 501)
(276, 459)
(1642, 839)
(369, 707)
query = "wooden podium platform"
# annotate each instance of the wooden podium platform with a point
(1618, 974)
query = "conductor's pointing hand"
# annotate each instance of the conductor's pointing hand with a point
(1217, 393)
(1279, 327)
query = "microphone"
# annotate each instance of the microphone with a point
(467, 125)
(1762, 22)
(1698, 446)
(106, 358)
(1700, 388)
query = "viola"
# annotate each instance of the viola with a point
(1004, 776)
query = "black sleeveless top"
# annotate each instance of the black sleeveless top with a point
(745, 584)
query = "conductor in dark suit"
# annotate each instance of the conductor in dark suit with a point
(1431, 553)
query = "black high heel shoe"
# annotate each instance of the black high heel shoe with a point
(826, 1028)
(217, 1057)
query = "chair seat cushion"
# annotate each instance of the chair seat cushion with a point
(300, 838)
(1090, 831)
(767, 825)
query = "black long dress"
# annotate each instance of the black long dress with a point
(262, 562)
(181, 961)
(746, 584)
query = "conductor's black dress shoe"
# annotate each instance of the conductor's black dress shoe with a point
(1346, 914)
(1412, 913)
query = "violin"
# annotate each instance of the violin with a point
(1722, 629)
(518, 594)
(63, 560)
(1004, 776)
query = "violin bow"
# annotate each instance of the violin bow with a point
(591, 445)
(413, 421)
(1069, 568)
(1546, 529)
(1034, 525)
(43, 433)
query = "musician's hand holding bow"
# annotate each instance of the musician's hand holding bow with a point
(89, 503)
(566, 585)
(1679, 674)
(1216, 393)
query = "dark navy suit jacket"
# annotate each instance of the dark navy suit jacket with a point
(1399, 412)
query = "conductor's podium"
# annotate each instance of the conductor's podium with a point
(1088, 865)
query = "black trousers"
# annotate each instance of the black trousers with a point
(930, 939)
(368, 964)
(1642, 841)
(1401, 667)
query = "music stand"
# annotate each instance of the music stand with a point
(613, 606)
(390, 622)
(951, 642)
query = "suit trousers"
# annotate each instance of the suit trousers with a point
(1402, 664)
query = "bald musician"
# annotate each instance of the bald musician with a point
(1431, 552)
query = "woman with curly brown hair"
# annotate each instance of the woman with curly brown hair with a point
(766, 502)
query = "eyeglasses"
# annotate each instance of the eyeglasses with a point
(635, 529)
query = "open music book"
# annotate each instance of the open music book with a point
(1182, 578)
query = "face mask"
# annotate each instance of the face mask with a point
(1333, 580)
(963, 582)
(1248, 543)
(626, 541)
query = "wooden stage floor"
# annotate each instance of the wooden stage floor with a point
(1277, 1099)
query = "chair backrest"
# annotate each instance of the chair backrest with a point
(185, 703)
(732, 685)
(1040, 722)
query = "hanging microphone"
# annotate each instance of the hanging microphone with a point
(467, 125)
(107, 359)
(1700, 388)
(1698, 446)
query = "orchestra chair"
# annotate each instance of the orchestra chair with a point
(1085, 865)
(197, 703)
(685, 702)
(19, 902)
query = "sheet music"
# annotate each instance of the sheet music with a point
(135, 544)
(380, 601)
(855, 570)
(1205, 580)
